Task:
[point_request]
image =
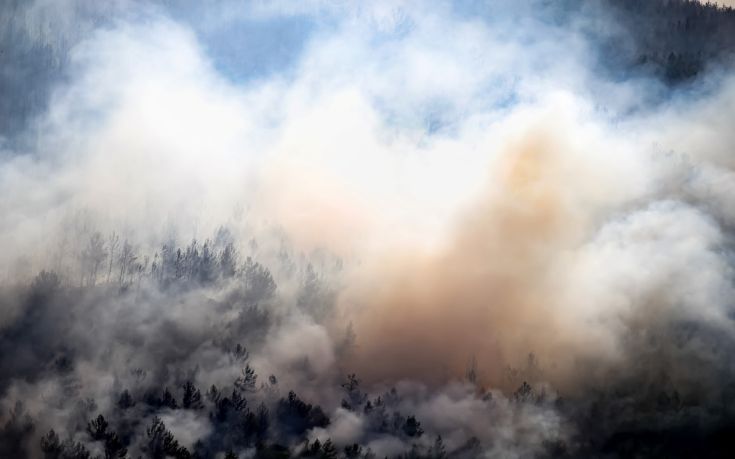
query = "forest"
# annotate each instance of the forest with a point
(67, 320)
(458, 230)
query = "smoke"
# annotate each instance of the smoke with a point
(490, 291)
(576, 233)
(499, 237)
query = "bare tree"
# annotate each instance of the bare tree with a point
(126, 260)
(112, 244)
(93, 256)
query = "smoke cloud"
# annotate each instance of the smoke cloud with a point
(217, 216)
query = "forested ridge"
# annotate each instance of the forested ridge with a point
(122, 336)
(238, 304)
(675, 40)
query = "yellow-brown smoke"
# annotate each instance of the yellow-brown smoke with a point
(490, 292)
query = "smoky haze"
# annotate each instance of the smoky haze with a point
(322, 229)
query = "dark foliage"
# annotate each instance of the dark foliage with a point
(675, 39)
(161, 443)
(192, 398)
(296, 416)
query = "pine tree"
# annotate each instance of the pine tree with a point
(125, 401)
(97, 428)
(248, 381)
(192, 398)
(50, 445)
(328, 450)
(161, 442)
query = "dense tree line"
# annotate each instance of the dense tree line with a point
(675, 39)
(246, 413)
(112, 261)
(639, 411)
(275, 431)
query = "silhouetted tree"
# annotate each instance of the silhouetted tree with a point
(114, 447)
(259, 283)
(207, 265)
(296, 417)
(437, 451)
(328, 450)
(44, 285)
(248, 381)
(97, 428)
(228, 261)
(353, 451)
(51, 445)
(355, 398)
(113, 241)
(15, 432)
(523, 393)
(125, 400)
(73, 450)
(125, 261)
(412, 427)
(93, 256)
(166, 400)
(161, 443)
(192, 398)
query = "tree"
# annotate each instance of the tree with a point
(15, 432)
(348, 342)
(44, 284)
(207, 265)
(73, 450)
(113, 241)
(125, 260)
(312, 450)
(114, 448)
(213, 394)
(93, 256)
(125, 400)
(226, 408)
(296, 417)
(168, 400)
(355, 397)
(192, 398)
(228, 261)
(240, 353)
(353, 451)
(523, 393)
(259, 283)
(472, 371)
(438, 451)
(50, 445)
(161, 442)
(328, 450)
(247, 382)
(97, 428)
(262, 423)
(313, 296)
(412, 427)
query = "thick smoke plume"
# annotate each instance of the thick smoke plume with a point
(491, 290)
(323, 229)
